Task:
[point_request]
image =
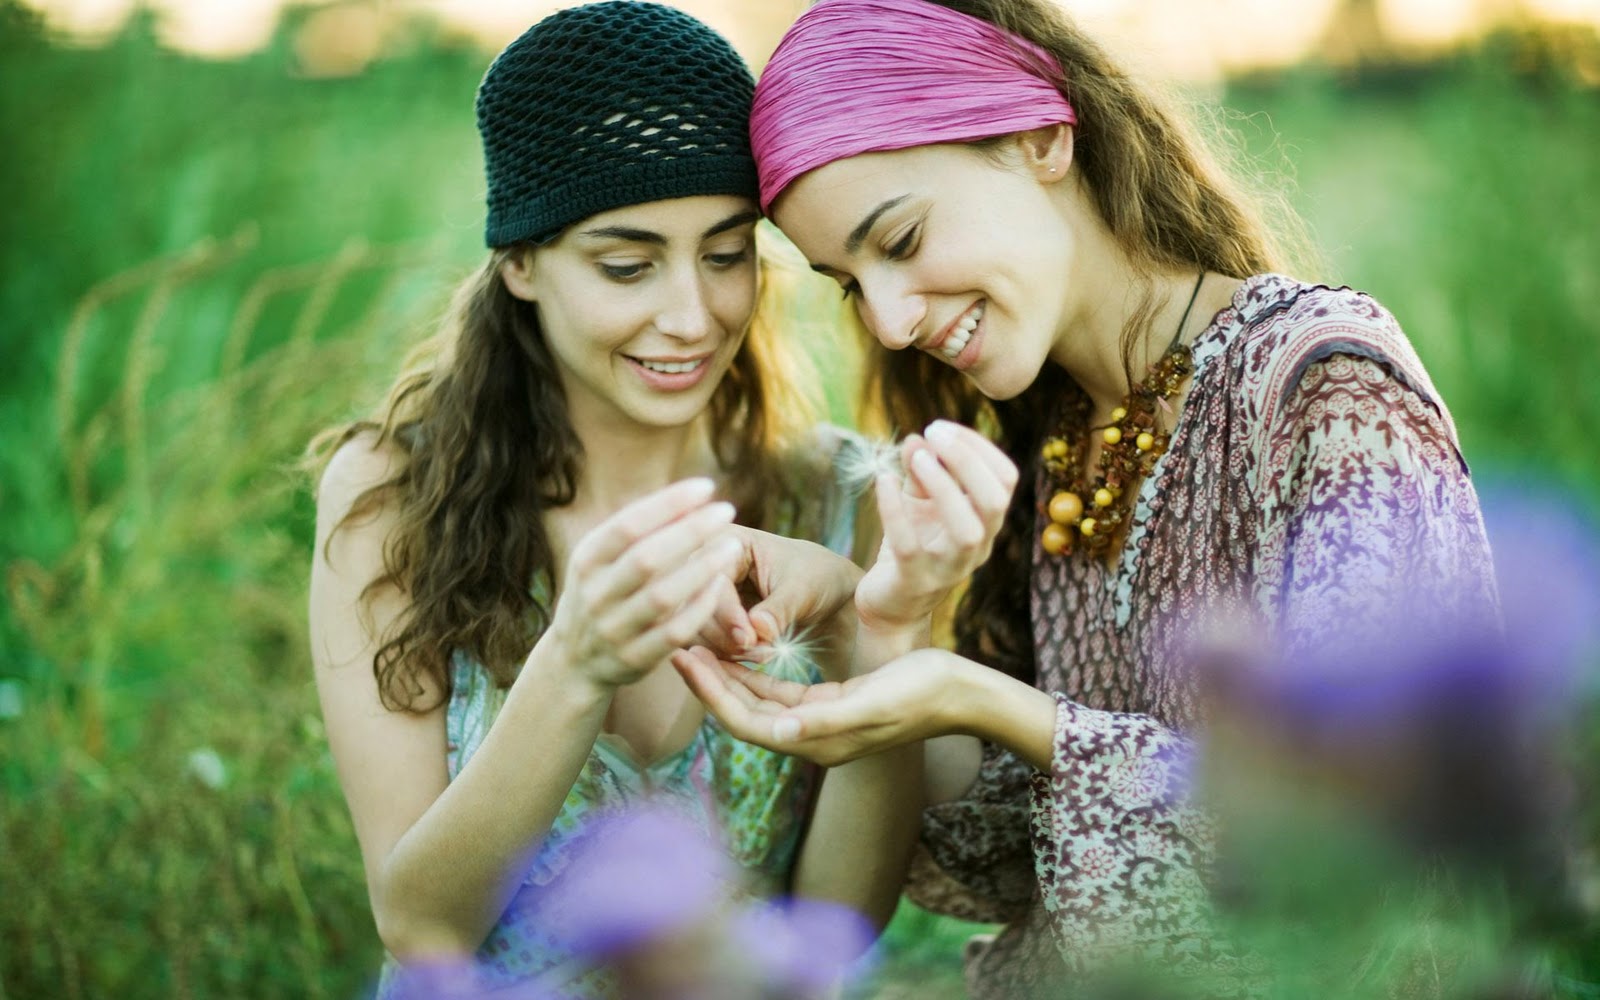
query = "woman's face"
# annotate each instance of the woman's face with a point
(945, 249)
(644, 307)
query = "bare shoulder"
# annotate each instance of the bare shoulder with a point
(357, 466)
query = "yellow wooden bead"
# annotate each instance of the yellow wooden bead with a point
(1065, 508)
(1061, 448)
(1103, 497)
(1048, 451)
(1113, 435)
(1055, 539)
(1118, 414)
(1145, 441)
(1086, 526)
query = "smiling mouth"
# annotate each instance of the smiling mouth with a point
(671, 367)
(955, 341)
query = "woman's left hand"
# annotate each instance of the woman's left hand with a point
(939, 523)
(911, 698)
(799, 586)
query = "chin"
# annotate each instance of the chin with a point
(1002, 385)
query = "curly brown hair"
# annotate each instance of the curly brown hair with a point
(480, 421)
(1169, 203)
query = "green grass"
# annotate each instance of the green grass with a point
(207, 262)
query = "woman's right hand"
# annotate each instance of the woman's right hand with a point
(643, 583)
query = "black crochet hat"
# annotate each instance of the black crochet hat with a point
(611, 104)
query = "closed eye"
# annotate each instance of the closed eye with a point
(622, 272)
(731, 259)
(904, 246)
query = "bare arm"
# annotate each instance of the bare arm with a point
(443, 857)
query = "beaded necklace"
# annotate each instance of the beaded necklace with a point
(1095, 514)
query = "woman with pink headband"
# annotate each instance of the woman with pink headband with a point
(1046, 251)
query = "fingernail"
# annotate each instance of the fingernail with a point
(765, 624)
(723, 511)
(700, 486)
(743, 636)
(939, 432)
(786, 729)
(924, 462)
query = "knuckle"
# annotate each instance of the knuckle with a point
(660, 601)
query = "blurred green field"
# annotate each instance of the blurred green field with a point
(206, 262)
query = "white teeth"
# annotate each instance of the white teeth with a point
(671, 367)
(957, 341)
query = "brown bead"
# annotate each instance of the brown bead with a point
(1065, 508)
(1055, 539)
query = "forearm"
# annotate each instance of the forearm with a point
(867, 815)
(1002, 710)
(449, 878)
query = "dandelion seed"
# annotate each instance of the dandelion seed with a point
(861, 462)
(792, 655)
(207, 767)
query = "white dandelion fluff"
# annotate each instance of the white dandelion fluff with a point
(863, 460)
(792, 655)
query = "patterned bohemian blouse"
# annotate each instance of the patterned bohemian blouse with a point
(752, 801)
(1312, 466)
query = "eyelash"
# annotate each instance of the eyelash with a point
(630, 272)
(726, 260)
(900, 251)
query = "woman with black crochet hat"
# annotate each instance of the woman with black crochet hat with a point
(510, 551)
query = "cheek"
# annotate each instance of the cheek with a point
(733, 298)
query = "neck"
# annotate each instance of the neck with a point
(623, 461)
(1090, 346)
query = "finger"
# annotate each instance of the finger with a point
(895, 518)
(665, 553)
(816, 720)
(710, 685)
(998, 462)
(656, 632)
(990, 496)
(764, 685)
(956, 511)
(716, 669)
(730, 617)
(610, 538)
(908, 453)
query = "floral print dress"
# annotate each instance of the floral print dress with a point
(752, 801)
(1313, 475)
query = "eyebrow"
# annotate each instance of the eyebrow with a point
(632, 235)
(858, 235)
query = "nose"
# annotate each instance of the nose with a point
(891, 311)
(685, 311)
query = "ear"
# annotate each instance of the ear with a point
(1047, 151)
(517, 272)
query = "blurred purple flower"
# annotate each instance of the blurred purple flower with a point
(633, 876)
(459, 980)
(802, 946)
(1547, 559)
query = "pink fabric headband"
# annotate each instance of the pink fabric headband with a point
(861, 76)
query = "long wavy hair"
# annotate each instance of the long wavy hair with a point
(480, 420)
(1169, 203)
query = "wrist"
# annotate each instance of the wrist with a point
(879, 623)
(554, 659)
(997, 708)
